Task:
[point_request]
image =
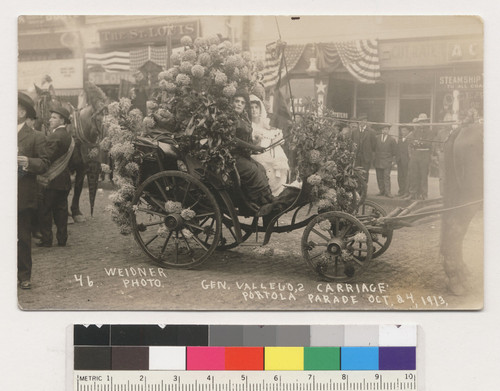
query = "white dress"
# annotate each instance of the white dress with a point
(274, 160)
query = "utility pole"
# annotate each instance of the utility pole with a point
(169, 46)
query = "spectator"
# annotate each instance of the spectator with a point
(364, 137)
(420, 155)
(55, 198)
(403, 159)
(385, 153)
(32, 159)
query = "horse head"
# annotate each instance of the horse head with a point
(44, 99)
(88, 118)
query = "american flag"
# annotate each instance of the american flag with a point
(274, 51)
(129, 61)
(361, 59)
(111, 62)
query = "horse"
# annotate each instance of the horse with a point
(87, 129)
(44, 99)
(87, 124)
(463, 194)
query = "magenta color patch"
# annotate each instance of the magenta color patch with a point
(202, 358)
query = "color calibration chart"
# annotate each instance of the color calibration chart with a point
(244, 358)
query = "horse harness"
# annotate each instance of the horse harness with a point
(79, 132)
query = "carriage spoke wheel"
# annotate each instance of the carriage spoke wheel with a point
(337, 246)
(176, 220)
(228, 235)
(368, 212)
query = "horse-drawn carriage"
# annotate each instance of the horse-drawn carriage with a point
(183, 213)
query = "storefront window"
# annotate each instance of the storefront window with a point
(341, 97)
(457, 93)
(370, 100)
(416, 98)
(302, 90)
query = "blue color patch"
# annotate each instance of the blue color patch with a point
(359, 358)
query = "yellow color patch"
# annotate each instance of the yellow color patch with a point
(284, 359)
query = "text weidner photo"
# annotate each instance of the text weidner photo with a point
(250, 162)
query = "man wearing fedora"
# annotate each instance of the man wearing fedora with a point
(55, 197)
(32, 159)
(420, 141)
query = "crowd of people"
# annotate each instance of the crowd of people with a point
(417, 146)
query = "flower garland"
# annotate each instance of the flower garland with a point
(194, 99)
(122, 125)
(193, 103)
(325, 161)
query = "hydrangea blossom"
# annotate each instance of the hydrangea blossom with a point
(186, 67)
(197, 71)
(183, 79)
(229, 90)
(175, 58)
(188, 214)
(189, 55)
(173, 207)
(125, 104)
(205, 59)
(314, 180)
(360, 237)
(220, 78)
(186, 40)
(149, 122)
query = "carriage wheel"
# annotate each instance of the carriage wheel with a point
(337, 246)
(228, 236)
(368, 212)
(176, 219)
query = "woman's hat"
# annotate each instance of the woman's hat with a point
(25, 101)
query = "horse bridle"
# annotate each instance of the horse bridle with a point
(79, 127)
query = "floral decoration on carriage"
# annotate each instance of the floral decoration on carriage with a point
(173, 169)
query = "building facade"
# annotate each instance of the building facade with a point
(427, 64)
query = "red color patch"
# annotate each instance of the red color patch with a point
(244, 358)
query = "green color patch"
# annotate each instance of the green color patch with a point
(321, 358)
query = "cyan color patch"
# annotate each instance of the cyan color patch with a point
(359, 358)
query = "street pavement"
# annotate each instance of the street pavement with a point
(100, 269)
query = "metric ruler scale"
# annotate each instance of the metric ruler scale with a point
(244, 380)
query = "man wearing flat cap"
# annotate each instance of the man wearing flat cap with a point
(32, 159)
(55, 198)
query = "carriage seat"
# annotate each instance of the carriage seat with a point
(168, 150)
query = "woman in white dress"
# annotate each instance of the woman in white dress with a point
(274, 160)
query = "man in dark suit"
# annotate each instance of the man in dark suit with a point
(32, 159)
(385, 153)
(403, 159)
(364, 137)
(55, 198)
(420, 156)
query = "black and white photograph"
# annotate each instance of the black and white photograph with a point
(250, 162)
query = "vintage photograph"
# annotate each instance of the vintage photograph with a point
(250, 162)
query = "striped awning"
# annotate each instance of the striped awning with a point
(274, 52)
(361, 59)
